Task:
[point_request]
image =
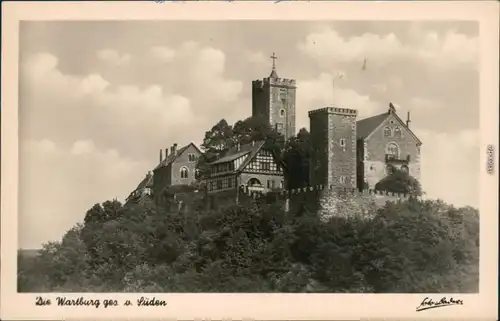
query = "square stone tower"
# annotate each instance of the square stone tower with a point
(273, 98)
(333, 138)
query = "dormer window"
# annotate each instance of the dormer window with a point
(387, 132)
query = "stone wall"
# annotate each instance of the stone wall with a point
(333, 136)
(183, 161)
(270, 97)
(375, 150)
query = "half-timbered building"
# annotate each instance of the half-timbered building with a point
(250, 167)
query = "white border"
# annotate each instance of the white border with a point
(255, 306)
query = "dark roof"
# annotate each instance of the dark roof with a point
(172, 157)
(250, 150)
(146, 182)
(365, 127)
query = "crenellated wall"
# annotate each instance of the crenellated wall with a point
(329, 201)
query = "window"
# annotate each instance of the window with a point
(279, 127)
(342, 179)
(268, 184)
(230, 182)
(405, 169)
(392, 150)
(197, 173)
(184, 172)
(342, 142)
(219, 184)
(191, 157)
(387, 132)
(265, 166)
(397, 132)
(282, 113)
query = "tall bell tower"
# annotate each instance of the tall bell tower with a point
(273, 98)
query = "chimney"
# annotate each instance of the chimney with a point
(408, 121)
(161, 156)
(166, 153)
(174, 149)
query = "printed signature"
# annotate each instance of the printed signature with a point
(428, 303)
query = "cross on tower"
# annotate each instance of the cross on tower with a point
(273, 57)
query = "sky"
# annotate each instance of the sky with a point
(98, 100)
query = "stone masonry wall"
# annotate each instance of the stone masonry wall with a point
(375, 149)
(183, 161)
(342, 159)
(270, 97)
(319, 126)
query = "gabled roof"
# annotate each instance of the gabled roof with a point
(365, 127)
(172, 157)
(146, 182)
(250, 150)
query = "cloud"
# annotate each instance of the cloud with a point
(319, 92)
(257, 58)
(328, 44)
(83, 147)
(449, 50)
(58, 185)
(450, 166)
(420, 104)
(81, 103)
(113, 57)
(162, 53)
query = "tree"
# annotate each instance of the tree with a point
(297, 156)
(399, 181)
(259, 129)
(217, 141)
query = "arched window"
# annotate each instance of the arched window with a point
(392, 150)
(405, 169)
(184, 172)
(282, 112)
(387, 132)
(397, 132)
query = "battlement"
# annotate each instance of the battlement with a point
(274, 81)
(340, 191)
(334, 110)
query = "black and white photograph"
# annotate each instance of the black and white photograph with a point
(250, 156)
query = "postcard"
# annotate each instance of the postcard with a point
(249, 160)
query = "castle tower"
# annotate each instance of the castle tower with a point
(333, 136)
(333, 158)
(273, 98)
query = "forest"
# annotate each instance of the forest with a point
(408, 246)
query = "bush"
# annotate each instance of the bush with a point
(416, 246)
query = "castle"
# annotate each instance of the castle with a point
(347, 153)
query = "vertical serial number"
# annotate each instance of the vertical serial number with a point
(490, 160)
